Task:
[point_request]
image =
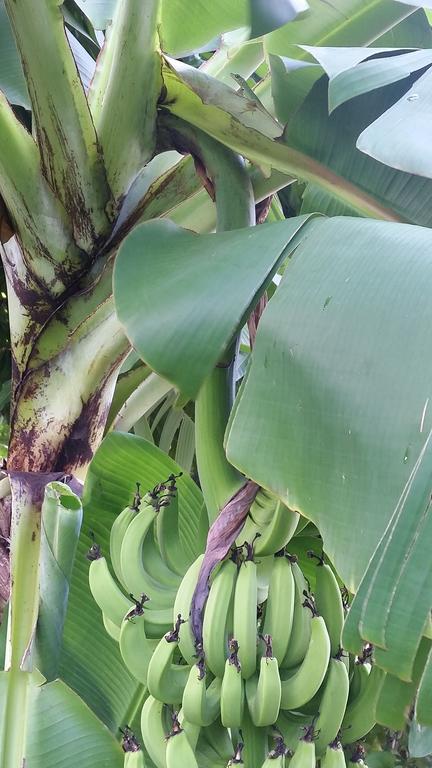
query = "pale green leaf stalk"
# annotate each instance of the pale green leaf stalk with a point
(71, 158)
(235, 121)
(130, 81)
(27, 494)
(40, 218)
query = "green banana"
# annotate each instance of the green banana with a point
(219, 480)
(135, 647)
(201, 704)
(118, 530)
(276, 756)
(182, 605)
(332, 706)
(107, 594)
(255, 742)
(305, 681)
(304, 753)
(360, 713)
(291, 725)
(179, 752)
(334, 756)
(154, 728)
(328, 600)
(279, 612)
(167, 529)
(245, 614)
(111, 628)
(424, 695)
(217, 624)
(232, 691)
(219, 739)
(359, 678)
(166, 681)
(136, 574)
(263, 691)
(301, 626)
(134, 759)
(275, 532)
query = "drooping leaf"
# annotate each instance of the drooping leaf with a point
(331, 139)
(344, 423)
(194, 292)
(375, 74)
(408, 121)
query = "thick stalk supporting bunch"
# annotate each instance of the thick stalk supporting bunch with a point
(258, 673)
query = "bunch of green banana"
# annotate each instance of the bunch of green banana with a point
(269, 677)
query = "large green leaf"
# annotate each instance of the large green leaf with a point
(182, 297)
(341, 361)
(375, 74)
(409, 117)
(331, 140)
(100, 677)
(351, 28)
(63, 731)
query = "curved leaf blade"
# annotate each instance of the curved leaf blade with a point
(345, 421)
(181, 297)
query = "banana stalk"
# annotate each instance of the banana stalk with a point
(125, 124)
(70, 154)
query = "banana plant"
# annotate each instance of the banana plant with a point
(140, 144)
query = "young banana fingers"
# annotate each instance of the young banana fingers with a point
(334, 756)
(232, 691)
(304, 683)
(118, 530)
(263, 691)
(179, 752)
(201, 704)
(304, 753)
(107, 594)
(328, 600)
(134, 759)
(182, 607)
(135, 573)
(154, 728)
(166, 681)
(332, 706)
(279, 612)
(360, 713)
(218, 617)
(245, 615)
(135, 647)
(301, 626)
